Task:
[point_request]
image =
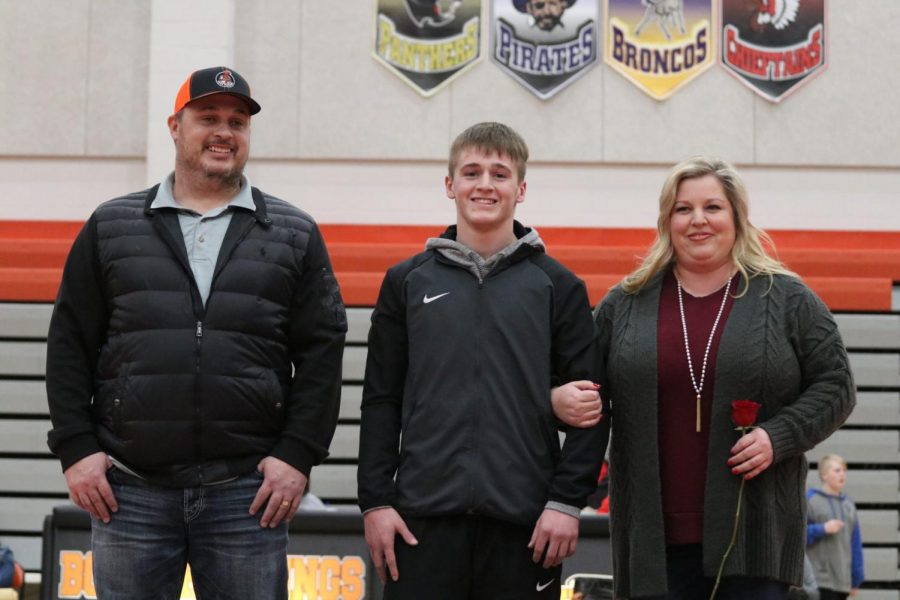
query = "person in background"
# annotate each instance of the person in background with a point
(464, 488)
(709, 318)
(12, 575)
(194, 366)
(834, 544)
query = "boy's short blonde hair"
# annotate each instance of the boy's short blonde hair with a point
(823, 463)
(488, 138)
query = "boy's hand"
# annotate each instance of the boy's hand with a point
(577, 403)
(558, 533)
(382, 525)
(833, 526)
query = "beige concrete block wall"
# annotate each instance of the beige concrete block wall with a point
(353, 107)
(82, 68)
(843, 116)
(44, 64)
(344, 137)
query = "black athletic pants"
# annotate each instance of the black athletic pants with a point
(469, 557)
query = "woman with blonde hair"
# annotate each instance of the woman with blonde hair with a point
(709, 318)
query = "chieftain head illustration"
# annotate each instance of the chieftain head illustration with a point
(544, 14)
(777, 13)
(432, 13)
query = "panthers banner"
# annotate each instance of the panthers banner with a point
(660, 45)
(427, 43)
(544, 44)
(773, 46)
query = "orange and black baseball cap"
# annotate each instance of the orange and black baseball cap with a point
(215, 80)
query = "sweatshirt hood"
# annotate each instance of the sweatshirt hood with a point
(460, 254)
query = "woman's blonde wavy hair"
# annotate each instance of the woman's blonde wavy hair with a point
(749, 250)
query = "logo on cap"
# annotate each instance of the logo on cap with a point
(225, 79)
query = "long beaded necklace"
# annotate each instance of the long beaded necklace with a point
(687, 346)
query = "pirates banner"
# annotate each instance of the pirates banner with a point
(544, 44)
(427, 43)
(660, 45)
(773, 46)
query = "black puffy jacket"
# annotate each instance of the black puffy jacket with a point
(185, 394)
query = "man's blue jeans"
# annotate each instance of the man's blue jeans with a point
(142, 552)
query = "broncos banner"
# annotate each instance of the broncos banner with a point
(773, 46)
(660, 45)
(544, 44)
(428, 43)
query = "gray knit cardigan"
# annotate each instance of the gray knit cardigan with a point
(780, 347)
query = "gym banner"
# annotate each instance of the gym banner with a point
(309, 576)
(428, 43)
(544, 44)
(774, 46)
(660, 45)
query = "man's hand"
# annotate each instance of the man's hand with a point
(833, 526)
(577, 403)
(281, 491)
(752, 454)
(558, 533)
(382, 526)
(88, 487)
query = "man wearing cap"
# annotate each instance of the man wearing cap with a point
(194, 365)
(545, 14)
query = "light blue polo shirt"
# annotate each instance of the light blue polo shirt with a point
(203, 234)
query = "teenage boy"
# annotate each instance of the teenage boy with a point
(833, 542)
(465, 490)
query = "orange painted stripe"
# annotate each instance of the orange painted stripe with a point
(849, 270)
(590, 236)
(853, 293)
(361, 288)
(29, 285)
(40, 229)
(352, 256)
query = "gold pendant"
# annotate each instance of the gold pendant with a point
(698, 413)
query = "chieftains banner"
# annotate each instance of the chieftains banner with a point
(427, 43)
(773, 46)
(544, 44)
(660, 45)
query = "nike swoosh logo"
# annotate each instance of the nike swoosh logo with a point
(541, 587)
(426, 299)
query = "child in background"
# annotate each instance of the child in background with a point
(833, 542)
(11, 573)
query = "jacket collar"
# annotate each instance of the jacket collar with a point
(260, 213)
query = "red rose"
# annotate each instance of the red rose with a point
(743, 412)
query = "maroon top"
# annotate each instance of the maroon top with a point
(683, 451)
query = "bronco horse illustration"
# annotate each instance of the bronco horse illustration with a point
(665, 13)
